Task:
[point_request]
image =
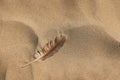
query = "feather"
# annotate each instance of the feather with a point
(50, 48)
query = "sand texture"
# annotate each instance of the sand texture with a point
(92, 49)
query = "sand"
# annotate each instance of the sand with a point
(92, 49)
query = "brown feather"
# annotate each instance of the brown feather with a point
(53, 46)
(50, 48)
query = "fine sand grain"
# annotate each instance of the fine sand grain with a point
(92, 49)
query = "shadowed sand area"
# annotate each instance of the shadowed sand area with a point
(17, 44)
(92, 49)
(89, 54)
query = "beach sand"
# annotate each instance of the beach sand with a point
(92, 48)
